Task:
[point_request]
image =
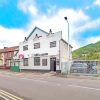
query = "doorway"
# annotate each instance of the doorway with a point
(53, 64)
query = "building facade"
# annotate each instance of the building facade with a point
(43, 51)
(6, 55)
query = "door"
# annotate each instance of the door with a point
(53, 64)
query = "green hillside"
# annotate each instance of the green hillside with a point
(88, 52)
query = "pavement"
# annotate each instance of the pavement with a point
(80, 76)
(47, 86)
(27, 74)
(31, 74)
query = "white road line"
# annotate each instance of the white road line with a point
(3, 97)
(33, 79)
(43, 81)
(84, 87)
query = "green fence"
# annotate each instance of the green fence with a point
(15, 68)
(14, 65)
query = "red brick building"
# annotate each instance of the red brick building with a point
(6, 55)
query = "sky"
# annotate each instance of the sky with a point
(19, 17)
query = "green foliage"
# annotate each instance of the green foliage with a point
(89, 52)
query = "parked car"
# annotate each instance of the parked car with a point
(79, 68)
(91, 69)
(83, 68)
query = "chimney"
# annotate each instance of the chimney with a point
(5, 47)
(25, 39)
(50, 31)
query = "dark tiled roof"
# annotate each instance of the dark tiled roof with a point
(7, 49)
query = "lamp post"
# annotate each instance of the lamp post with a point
(68, 38)
(68, 62)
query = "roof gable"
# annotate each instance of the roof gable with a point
(36, 28)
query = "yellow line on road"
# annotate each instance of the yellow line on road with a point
(13, 97)
(8, 96)
(3, 97)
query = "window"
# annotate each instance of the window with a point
(25, 47)
(9, 54)
(53, 44)
(36, 61)
(8, 62)
(44, 62)
(36, 45)
(25, 62)
(5, 54)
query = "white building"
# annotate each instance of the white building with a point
(43, 51)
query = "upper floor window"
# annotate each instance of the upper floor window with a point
(25, 47)
(36, 45)
(9, 54)
(53, 44)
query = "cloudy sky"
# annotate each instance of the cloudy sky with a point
(19, 17)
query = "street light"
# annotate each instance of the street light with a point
(68, 38)
(68, 62)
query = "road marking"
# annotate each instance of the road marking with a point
(3, 97)
(36, 80)
(30, 79)
(13, 97)
(84, 87)
(45, 81)
(8, 96)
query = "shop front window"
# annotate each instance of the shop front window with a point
(25, 62)
(36, 61)
(44, 62)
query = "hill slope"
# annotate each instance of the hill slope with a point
(89, 52)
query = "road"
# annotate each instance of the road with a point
(50, 88)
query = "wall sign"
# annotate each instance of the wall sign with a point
(21, 56)
(43, 54)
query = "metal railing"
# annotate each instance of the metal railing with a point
(88, 67)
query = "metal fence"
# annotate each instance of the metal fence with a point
(89, 67)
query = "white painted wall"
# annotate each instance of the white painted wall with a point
(64, 52)
(44, 48)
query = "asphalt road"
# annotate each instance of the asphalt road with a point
(51, 88)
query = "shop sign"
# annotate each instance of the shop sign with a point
(43, 54)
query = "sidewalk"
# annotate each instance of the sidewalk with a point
(32, 74)
(95, 77)
(27, 74)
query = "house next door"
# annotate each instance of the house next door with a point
(53, 64)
